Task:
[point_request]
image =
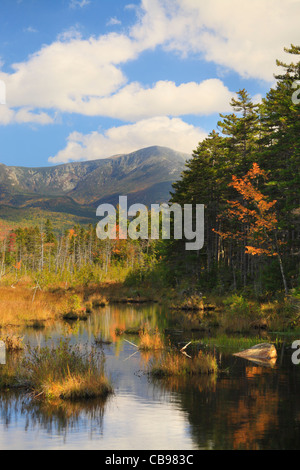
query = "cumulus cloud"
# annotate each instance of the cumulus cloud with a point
(23, 116)
(135, 102)
(66, 74)
(85, 76)
(245, 36)
(162, 131)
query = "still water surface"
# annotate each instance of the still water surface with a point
(245, 407)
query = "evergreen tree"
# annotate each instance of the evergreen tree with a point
(242, 130)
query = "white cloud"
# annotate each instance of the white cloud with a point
(85, 76)
(65, 75)
(161, 131)
(134, 102)
(79, 3)
(246, 36)
(70, 34)
(23, 116)
(113, 22)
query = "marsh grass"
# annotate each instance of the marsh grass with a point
(18, 308)
(12, 374)
(174, 364)
(151, 341)
(65, 372)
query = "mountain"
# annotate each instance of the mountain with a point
(76, 189)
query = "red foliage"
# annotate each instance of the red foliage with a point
(255, 215)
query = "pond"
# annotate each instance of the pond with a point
(245, 407)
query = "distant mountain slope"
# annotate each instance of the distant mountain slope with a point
(77, 188)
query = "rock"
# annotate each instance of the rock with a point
(2, 353)
(263, 352)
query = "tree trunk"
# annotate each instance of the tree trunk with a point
(283, 275)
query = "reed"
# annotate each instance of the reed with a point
(151, 342)
(65, 372)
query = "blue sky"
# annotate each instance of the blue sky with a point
(87, 79)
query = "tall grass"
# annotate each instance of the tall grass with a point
(64, 372)
(151, 342)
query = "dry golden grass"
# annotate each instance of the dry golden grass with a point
(18, 307)
(151, 342)
(179, 365)
(79, 387)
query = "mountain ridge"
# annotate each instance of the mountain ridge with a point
(76, 188)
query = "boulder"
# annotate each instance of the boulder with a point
(264, 352)
(2, 353)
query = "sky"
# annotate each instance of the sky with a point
(88, 79)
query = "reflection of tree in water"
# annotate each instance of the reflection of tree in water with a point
(251, 408)
(58, 417)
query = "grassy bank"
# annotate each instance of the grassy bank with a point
(228, 343)
(24, 305)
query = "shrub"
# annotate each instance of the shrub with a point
(74, 309)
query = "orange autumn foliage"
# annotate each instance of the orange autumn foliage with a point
(255, 215)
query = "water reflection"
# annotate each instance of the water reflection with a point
(246, 407)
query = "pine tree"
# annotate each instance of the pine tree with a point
(242, 130)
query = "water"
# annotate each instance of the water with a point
(245, 407)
